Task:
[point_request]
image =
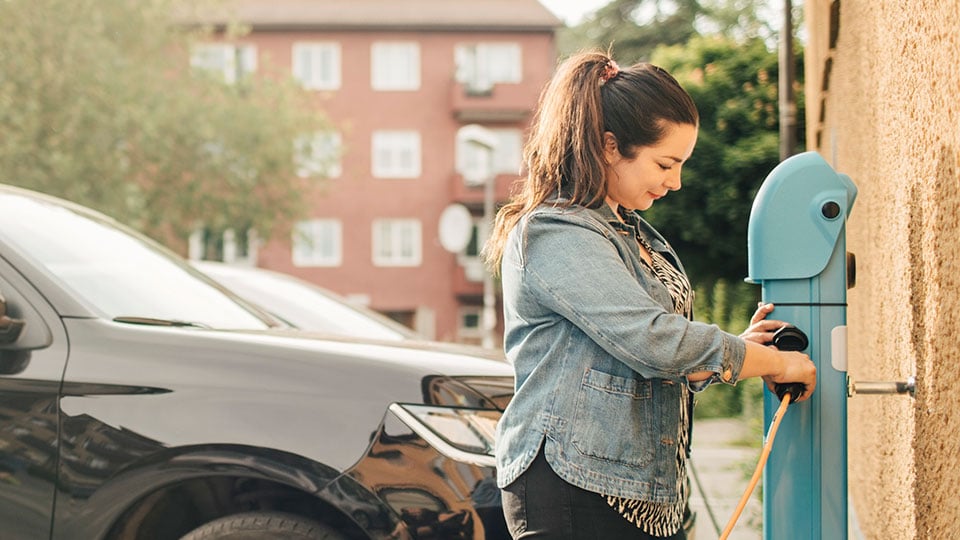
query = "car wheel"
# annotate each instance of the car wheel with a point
(263, 526)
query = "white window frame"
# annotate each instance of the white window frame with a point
(395, 154)
(317, 242)
(397, 242)
(317, 64)
(508, 154)
(395, 65)
(226, 59)
(469, 258)
(319, 154)
(473, 163)
(469, 333)
(482, 65)
(231, 251)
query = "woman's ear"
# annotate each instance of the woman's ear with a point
(611, 150)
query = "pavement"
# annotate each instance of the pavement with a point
(722, 464)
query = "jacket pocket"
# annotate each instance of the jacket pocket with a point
(614, 419)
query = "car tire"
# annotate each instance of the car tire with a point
(263, 526)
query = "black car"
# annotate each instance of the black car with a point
(141, 400)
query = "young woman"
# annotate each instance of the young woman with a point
(598, 314)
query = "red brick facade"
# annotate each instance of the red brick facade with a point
(430, 295)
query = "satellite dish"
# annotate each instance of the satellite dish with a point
(456, 228)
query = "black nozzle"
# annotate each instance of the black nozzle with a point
(790, 338)
(795, 390)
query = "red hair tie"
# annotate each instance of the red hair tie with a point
(610, 70)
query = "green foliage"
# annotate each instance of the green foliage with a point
(98, 105)
(729, 305)
(633, 29)
(734, 85)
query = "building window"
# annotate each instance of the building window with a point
(469, 258)
(470, 325)
(395, 66)
(317, 65)
(228, 246)
(318, 155)
(508, 152)
(232, 62)
(476, 165)
(318, 242)
(482, 65)
(396, 154)
(396, 242)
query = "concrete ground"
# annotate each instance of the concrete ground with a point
(723, 464)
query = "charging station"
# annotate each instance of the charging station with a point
(796, 245)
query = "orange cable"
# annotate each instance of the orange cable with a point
(771, 433)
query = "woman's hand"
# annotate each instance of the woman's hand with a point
(795, 367)
(761, 329)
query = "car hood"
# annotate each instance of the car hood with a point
(187, 386)
(281, 360)
(441, 347)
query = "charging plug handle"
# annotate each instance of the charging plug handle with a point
(790, 338)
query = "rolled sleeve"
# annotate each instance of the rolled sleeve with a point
(728, 371)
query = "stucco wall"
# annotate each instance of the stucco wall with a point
(883, 101)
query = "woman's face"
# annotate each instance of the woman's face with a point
(655, 170)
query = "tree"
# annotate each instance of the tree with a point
(99, 105)
(634, 28)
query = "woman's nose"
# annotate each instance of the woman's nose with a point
(673, 182)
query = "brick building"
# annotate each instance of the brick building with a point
(399, 80)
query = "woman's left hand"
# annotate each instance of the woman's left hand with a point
(761, 328)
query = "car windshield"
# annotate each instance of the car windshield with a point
(115, 272)
(304, 305)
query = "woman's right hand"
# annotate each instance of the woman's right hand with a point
(797, 368)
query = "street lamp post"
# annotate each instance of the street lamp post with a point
(483, 142)
(489, 297)
(785, 80)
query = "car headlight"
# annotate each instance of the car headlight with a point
(459, 433)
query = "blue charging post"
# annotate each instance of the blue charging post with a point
(796, 245)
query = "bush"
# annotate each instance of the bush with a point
(729, 306)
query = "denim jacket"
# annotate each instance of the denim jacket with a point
(599, 354)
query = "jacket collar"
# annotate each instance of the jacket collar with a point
(631, 220)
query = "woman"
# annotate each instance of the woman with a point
(598, 314)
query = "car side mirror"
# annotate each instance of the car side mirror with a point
(10, 329)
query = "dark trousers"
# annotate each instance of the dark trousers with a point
(540, 504)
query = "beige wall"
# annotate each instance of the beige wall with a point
(890, 119)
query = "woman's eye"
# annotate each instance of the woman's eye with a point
(665, 167)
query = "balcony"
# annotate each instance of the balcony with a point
(493, 103)
(472, 196)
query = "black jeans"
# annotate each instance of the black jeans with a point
(540, 504)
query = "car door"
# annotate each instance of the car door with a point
(33, 354)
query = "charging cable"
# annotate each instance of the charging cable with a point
(786, 396)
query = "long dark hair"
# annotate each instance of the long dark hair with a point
(588, 96)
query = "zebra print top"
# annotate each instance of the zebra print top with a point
(665, 519)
